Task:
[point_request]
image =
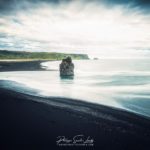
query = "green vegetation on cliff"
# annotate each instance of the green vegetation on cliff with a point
(4, 54)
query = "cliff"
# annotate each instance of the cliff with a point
(4, 54)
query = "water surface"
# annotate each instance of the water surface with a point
(118, 83)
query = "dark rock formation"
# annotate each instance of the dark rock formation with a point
(66, 67)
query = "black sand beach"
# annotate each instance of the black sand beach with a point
(33, 65)
(27, 124)
(30, 122)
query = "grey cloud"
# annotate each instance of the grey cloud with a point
(19, 41)
(16, 43)
(10, 6)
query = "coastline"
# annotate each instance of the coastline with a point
(26, 123)
(33, 122)
(21, 65)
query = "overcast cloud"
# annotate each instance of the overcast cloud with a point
(109, 28)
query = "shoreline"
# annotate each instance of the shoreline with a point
(34, 122)
(27, 122)
(28, 65)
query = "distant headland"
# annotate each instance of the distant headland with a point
(23, 55)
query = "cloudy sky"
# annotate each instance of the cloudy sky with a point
(100, 28)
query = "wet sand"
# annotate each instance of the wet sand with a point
(28, 123)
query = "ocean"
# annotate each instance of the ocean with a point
(119, 83)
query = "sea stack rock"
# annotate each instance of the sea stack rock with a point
(66, 67)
